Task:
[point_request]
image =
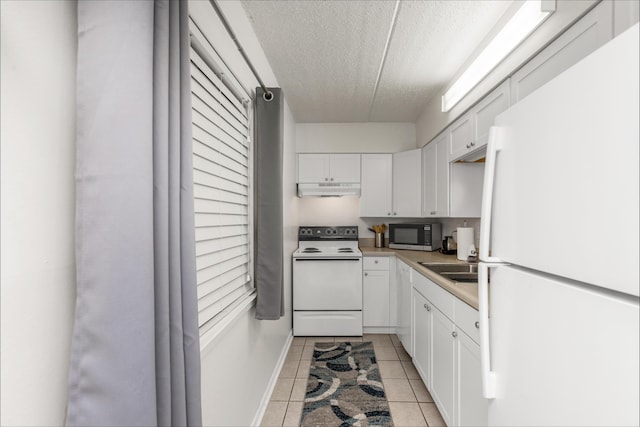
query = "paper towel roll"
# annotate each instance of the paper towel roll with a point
(464, 240)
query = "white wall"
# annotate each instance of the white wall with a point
(355, 137)
(238, 366)
(38, 58)
(432, 120)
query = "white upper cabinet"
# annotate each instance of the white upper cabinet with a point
(334, 168)
(585, 36)
(376, 185)
(435, 178)
(407, 184)
(470, 133)
(486, 111)
(466, 189)
(344, 168)
(429, 180)
(461, 136)
(313, 168)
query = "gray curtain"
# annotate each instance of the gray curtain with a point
(135, 356)
(268, 216)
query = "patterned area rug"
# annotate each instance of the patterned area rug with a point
(344, 387)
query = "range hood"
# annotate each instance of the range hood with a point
(328, 190)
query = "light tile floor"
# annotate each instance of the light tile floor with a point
(410, 402)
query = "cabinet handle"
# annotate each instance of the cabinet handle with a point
(477, 325)
(454, 334)
(472, 144)
(425, 306)
(366, 274)
(326, 179)
(375, 262)
(388, 213)
(331, 179)
(468, 145)
(395, 213)
(432, 212)
(428, 308)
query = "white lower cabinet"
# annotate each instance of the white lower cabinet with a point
(404, 289)
(376, 292)
(471, 408)
(375, 302)
(443, 348)
(422, 321)
(446, 353)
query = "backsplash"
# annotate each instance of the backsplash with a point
(333, 211)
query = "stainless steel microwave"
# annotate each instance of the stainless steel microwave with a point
(417, 237)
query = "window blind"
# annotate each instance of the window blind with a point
(222, 194)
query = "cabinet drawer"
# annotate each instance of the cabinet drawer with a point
(466, 319)
(442, 299)
(375, 263)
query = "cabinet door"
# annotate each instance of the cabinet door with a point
(472, 409)
(313, 168)
(486, 111)
(466, 189)
(404, 306)
(344, 168)
(422, 309)
(585, 36)
(375, 294)
(375, 187)
(429, 180)
(461, 137)
(443, 348)
(407, 184)
(442, 176)
(393, 293)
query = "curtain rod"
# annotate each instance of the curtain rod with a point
(268, 95)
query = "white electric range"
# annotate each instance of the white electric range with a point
(327, 282)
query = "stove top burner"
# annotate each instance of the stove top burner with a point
(345, 250)
(311, 251)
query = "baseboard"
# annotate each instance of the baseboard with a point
(257, 419)
(379, 329)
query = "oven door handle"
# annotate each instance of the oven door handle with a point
(327, 259)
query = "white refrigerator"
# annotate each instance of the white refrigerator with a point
(559, 318)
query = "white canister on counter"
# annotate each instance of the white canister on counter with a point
(465, 241)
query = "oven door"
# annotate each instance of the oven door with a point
(327, 283)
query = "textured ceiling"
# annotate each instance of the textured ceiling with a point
(332, 61)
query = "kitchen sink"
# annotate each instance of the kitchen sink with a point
(461, 277)
(450, 267)
(456, 272)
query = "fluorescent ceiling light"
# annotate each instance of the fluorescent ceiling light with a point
(523, 22)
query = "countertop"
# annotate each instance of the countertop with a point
(467, 292)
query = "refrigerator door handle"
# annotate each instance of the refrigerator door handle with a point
(495, 144)
(488, 376)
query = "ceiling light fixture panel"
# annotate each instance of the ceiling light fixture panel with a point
(528, 17)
